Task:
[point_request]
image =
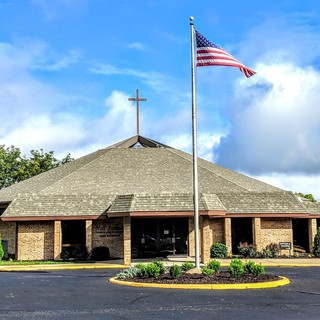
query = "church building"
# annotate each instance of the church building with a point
(136, 199)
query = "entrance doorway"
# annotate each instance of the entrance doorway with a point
(241, 229)
(300, 231)
(159, 237)
(74, 239)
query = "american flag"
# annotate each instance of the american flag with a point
(209, 54)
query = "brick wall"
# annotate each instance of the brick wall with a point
(35, 240)
(108, 233)
(276, 230)
(217, 227)
(8, 233)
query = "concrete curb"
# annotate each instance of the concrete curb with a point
(239, 286)
(60, 267)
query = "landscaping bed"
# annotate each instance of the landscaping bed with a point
(222, 277)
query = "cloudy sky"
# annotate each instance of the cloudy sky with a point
(68, 67)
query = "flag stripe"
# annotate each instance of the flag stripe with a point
(209, 54)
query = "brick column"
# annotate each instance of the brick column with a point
(127, 240)
(227, 234)
(312, 226)
(206, 237)
(57, 240)
(256, 229)
(191, 237)
(89, 236)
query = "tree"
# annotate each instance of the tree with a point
(15, 167)
(308, 196)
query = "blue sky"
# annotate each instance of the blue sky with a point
(67, 68)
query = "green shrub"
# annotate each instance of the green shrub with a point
(247, 250)
(258, 270)
(214, 265)
(254, 269)
(187, 266)
(266, 253)
(249, 266)
(236, 268)
(219, 250)
(155, 269)
(316, 244)
(175, 271)
(161, 266)
(142, 270)
(274, 249)
(1, 248)
(207, 272)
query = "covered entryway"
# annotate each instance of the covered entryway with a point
(159, 237)
(241, 229)
(74, 239)
(300, 232)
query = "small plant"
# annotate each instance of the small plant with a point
(274, 249)
(266, 253)
(219, 250)
(236, 268)
(214, 265)
(175, 271)
(254, 269)
(155, 269)
(1, 248)
(128, 273)
(142, 270)
(247, 250)
(207, 272)
(186, 266)
(316, 244)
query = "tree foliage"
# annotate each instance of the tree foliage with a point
(308, 196)
(15, 167)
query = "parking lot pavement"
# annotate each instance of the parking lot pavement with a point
(87, 294)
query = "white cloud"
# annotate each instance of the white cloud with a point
(137, 46)
(275, 124)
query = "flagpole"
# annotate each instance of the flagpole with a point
(194, 151)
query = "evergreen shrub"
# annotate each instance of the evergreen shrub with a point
(214, 265)
(186, 266)
(207, 272)
(316, 244)
(219, 250)
(236, 268)
(175, 271)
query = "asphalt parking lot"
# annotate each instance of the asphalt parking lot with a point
(86, 294)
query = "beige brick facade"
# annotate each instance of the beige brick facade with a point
(89, 235)
(312, 225)
(275, 230)
(108, 233)
(8, 233)
(35, 240)
(228, 234)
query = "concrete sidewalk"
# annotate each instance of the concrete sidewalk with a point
(118, 264)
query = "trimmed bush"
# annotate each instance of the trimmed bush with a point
(236, 268)
(316, 244)
(175, 271)
(214, 265)
(254, 269)
(207, 272)
(142, 270)
(155, 269)
(186, 266)
(274, 249)
(247, 250)
(100, 253)
(219, 250)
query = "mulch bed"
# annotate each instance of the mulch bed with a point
(223, 277)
